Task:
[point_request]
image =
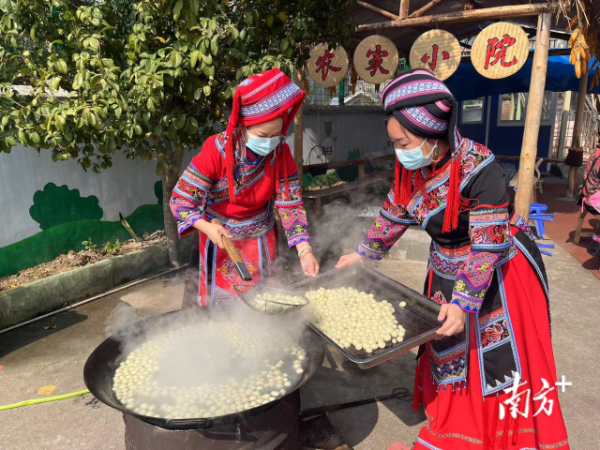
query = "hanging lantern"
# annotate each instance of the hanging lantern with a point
(376, 59)
(327, 67)
(500, 50)
(436, 51)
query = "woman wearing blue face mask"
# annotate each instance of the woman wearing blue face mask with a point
(484, 271)
(237, 178)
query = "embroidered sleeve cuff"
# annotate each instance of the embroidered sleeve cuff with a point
(186, 225)
(366, 249)
(466, 304)
(297, 239)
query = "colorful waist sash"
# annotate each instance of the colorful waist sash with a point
(249, 227)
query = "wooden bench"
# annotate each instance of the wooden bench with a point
(318, 196)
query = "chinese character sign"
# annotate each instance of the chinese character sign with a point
(376, 59)
(437, 51)
(500, 50)
(327, 67)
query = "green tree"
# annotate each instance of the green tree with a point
(151, 79)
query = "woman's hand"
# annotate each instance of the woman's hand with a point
(310, 265)
(455, 320)
(348, 260)
(214, 232)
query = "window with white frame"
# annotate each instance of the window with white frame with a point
(512, 109)
(472, 111)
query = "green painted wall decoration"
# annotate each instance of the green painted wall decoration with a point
(59, 205)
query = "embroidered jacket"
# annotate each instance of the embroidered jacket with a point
(202, 193)
(463, 263)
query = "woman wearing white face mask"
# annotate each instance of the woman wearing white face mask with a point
(236, 178)
(485, 272)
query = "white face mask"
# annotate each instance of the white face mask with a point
(262, 145)
(413, 158)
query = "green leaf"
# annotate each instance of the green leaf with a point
(177, 9)
(150, 104)
(235, 34)
(11, 141)
(32, 34)
(284, 45)
(118, 112)
(194, 58)
(53, 83)
(138, 130)
(62, 67)
(238, 74)
(206, 90)
(35, 138)
(214, 45)
(78, 81)
(212, 25)
(194, 6)
(175, 59)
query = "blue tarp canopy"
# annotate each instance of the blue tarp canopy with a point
(466, 83)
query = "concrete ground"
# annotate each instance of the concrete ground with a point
(32, 357)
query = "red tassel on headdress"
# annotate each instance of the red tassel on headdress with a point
(397, 182)
(407, 184)
(230, 145)
(453, 201)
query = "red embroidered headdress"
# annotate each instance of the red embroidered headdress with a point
(260, 98)
(426, 108)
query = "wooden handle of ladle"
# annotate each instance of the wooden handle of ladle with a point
(230, 248)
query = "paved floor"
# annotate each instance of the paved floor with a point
(562, 229)
(33, 356)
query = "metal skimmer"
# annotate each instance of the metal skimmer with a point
(268, 300)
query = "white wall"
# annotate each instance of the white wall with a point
(120, 189)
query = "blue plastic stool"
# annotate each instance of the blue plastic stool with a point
(542, 246)
(538, 216)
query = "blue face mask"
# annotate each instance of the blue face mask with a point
(262, 145)
(413, 158)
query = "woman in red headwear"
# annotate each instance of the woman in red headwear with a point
(488, 381)
(236, 178)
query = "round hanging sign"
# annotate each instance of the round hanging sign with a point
(327, 67)
(376, 59)
(437, 51)
(500, 50)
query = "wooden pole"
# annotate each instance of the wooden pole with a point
(299, 136)
(500, 12)
(534, 116)
(424, 9)
(564, 122)
(404, 8)
(375, 9)
(577, 132)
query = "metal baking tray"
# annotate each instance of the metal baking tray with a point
(419, 317)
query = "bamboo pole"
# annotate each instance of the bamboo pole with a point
(424, 9)
(404, 8)
(299, 136)
(375, 9)
(533, 119)
(577, 132)
(500, 12)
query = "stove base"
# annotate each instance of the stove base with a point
(275, 429)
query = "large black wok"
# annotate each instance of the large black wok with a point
(99, 371)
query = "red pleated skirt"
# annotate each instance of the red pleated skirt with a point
(462, 419)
